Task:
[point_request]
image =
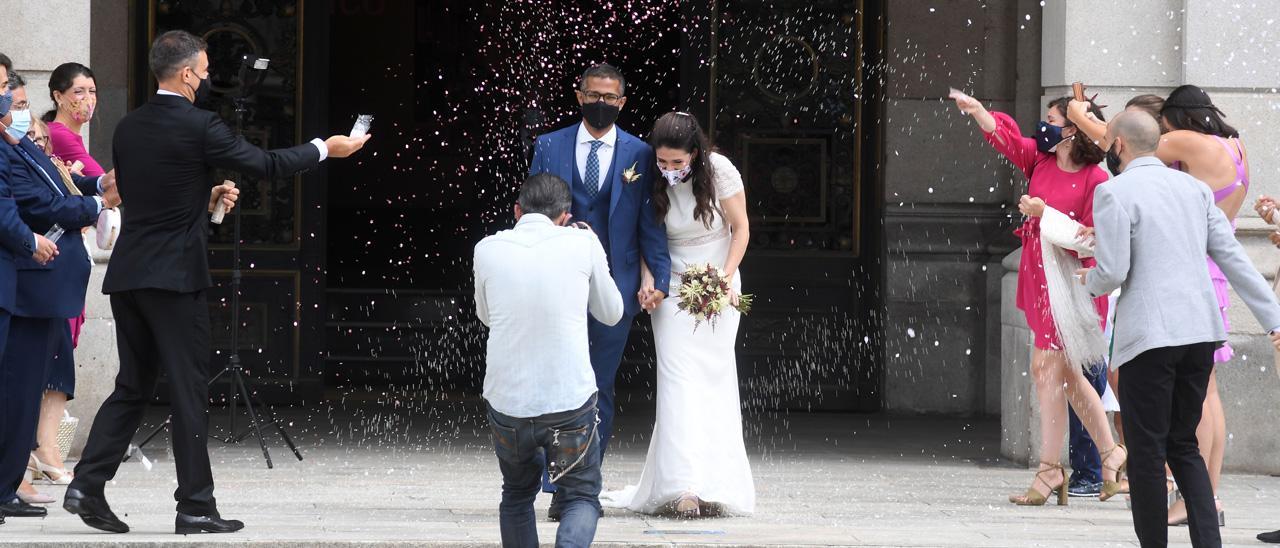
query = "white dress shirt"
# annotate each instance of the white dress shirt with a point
(605, 153)
(324, 150)
(534, 287)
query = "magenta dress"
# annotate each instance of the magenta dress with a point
(68, 146)
(1070, 193)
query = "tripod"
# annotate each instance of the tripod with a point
(235, 370)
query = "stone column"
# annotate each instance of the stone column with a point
(947, 198)
(1124, 49)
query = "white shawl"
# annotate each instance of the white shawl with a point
(1073, 312)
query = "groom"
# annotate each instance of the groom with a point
(611, 175)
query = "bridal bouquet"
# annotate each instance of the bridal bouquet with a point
(704, 294)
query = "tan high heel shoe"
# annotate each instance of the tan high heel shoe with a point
(1034, 497)
(1111, 484)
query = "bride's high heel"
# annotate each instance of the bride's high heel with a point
(1111, 484)
(1034, 497)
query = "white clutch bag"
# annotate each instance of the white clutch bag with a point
(108, 228)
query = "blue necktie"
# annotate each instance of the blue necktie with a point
(592, 179)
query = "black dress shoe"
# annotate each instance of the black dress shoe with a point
(93, 511)
(191, 525)
(557, 509)
(18, 509)
(1272, 537)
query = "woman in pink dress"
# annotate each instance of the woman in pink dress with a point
(73, 89)
(75, 92)
(1063, 174)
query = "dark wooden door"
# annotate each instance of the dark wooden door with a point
(782, 86)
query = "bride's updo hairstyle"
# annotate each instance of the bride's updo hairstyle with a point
(681, 131)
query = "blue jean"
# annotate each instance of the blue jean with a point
(570, 442)
(1086, 464)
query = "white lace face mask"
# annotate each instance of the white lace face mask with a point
(674, 177)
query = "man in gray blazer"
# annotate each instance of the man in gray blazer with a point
(1154, 226)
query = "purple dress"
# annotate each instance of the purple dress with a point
(1221, 288)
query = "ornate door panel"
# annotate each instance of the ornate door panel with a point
(273, 248)
(784, 96)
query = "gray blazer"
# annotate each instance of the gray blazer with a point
(1154, 227)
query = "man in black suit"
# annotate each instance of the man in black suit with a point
(164, 154)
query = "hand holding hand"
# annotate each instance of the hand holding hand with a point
(227, 192)
(653, 299)
(646, 289)
(1275, 340)
(1275, 238)
(342, 146)
(1031, 207)
(46, 250)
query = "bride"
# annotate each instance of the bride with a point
(697, 462)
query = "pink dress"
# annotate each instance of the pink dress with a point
(1070, 193)
(68, 146)
(1222, 288)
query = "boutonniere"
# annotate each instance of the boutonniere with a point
(630, 175)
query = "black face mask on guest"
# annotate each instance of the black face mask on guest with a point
(1113, 160)
(600, 115)
(200, 93)
(203, 96)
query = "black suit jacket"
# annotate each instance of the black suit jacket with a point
(165, 154)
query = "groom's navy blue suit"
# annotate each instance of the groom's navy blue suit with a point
(621, 214)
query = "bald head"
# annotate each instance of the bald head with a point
(1138, 131)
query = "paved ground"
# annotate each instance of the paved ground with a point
(426, 477)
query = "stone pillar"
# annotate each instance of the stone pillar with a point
(947, 199)
(1019, 421)
(41, 36)
(1120, 50)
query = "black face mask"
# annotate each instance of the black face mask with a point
(600, 115)
(1113, 160)
(202, 95)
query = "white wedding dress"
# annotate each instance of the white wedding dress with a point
(697, 446)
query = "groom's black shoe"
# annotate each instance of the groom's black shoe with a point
(1272, 537)
(93, 511)
(192, 525)
(18, 509)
